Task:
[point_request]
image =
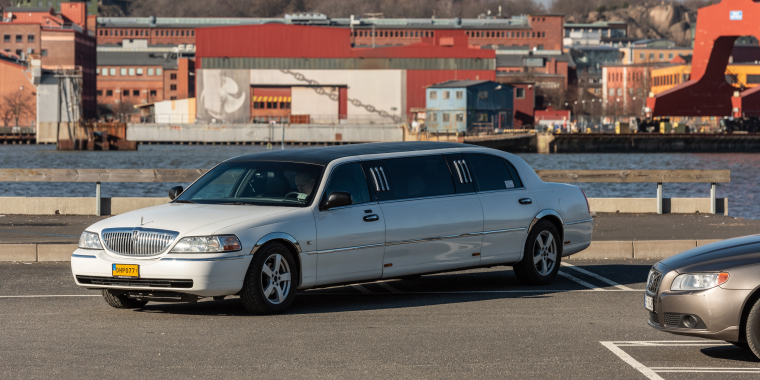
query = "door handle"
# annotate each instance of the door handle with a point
(525, 201)
(371, 218)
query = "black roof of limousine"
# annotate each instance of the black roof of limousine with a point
(324, 155)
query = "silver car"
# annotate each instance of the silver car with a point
(710, 292)
(263, 225)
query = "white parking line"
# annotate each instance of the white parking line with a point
(596, 276)
(388, 287)
(361, 289)
(54, 295)
(651, 372)
(578, 280)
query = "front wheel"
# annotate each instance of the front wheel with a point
(753, 329)
(120, 300)
(541, 257)
(270, 284)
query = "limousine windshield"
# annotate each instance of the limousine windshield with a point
(256, 183)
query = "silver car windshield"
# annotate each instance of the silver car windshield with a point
(256, 183)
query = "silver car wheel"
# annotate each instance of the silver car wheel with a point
(545, 253)
(275, 279)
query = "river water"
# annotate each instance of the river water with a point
(743, 191)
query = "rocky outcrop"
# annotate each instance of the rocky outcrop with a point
(671, 21)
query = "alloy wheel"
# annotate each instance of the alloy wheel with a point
(275, 279)
(545, 253)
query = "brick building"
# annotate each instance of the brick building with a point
(14, 84)
(625, 87)
(60, 40)
(136, 77)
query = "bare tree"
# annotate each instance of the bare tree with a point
(122, 109)
(16, 105)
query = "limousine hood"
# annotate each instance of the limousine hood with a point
(718, 256)
(190, 219)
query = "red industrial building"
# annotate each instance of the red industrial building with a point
(312, 73)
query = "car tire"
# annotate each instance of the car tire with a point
(120, 300)
(752, 329)
(270, 283)
(541, 256)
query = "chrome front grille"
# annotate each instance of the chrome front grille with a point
(653, 282)
(137, 241)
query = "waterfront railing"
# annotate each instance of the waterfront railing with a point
(713, 177)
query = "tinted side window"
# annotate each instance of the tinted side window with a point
(490, 172)
(515, 174)
(416, 177)
(349, 178)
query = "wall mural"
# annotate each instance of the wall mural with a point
(223, 96)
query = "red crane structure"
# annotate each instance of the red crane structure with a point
(707, 93)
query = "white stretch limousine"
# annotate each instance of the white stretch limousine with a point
(263, 225)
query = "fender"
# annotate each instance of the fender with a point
(276, 236)
(542, 214)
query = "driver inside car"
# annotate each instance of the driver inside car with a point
(305, 183)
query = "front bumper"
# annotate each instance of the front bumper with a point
(719, 309)
(202, 275)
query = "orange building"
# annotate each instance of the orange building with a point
(16, 91)
(60, 40)
(626, 87)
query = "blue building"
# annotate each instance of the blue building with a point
(470, 106)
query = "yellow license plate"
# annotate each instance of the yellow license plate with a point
(125, 270)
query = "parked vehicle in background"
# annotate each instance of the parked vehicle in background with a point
(263, 225)
(709, 292)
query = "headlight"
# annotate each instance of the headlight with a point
(698, 281)
(207, 244)
(89, 240)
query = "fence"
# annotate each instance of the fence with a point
(97, 176)
(327, 119)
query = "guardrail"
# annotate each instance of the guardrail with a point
(97, 176)
(713, 177)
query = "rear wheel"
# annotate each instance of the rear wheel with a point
(270, 284)
(542, 255)
(120, 300)
(753, 329)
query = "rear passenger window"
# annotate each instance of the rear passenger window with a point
(349, 178)
(492, 173)
(417, 177)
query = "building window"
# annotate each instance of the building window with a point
(482, 94)
(125, 92)
(100, 92)
(173, 87)
(30, 38)
(483, 117)
(140, 71)
(104, 72)
(7, 38)
(159, 71)
(460, 116)
(641, 55)
(112, 71)
(651, 56)
(670, 56)
(150, 72)
(446, 118)
(19, 38)
(612, 92)
(192, 33)
(173, 98)
(123, 72)
(173, 76)
(620, 92)
(446, 95)
(152, 92)
(131, 71)
(109, 92)
(433, 94)
(433, 116)
(18, 52)
(460, 94)
(135, 92)
(520, 93)
(662, 55)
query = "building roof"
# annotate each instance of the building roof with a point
(516, 22)
(598, 24)
(28, 9)
(459, 83)
(137, 58)
(517, 60)
(324, 155)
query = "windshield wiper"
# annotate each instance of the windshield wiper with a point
(183, 201)
(236, 203)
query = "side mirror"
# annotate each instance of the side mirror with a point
(336, 199)
(175, 191)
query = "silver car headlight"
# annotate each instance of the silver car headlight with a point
(89, 240)
(698, 281)
(208, 244)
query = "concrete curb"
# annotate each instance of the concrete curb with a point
(638, 249)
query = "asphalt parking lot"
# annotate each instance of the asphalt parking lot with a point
(589, 324)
